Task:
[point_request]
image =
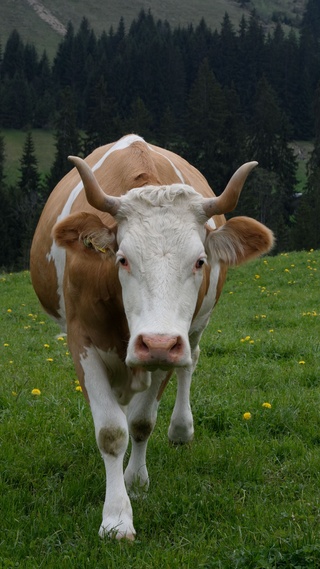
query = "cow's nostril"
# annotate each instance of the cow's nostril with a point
(141, 345)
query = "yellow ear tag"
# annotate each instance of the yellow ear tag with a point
(88, 243)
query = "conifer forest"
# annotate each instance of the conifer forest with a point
(217, 97)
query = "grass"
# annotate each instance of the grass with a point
(245, 494)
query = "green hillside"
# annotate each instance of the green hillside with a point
(42, 22)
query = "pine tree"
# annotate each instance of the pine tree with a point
(268, 143)
(103, 117)
(306, 230)
(67, 138)
(28, 202)
(205, 126)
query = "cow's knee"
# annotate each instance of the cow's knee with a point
(141, 429)
(112, 440)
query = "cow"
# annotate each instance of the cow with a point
(129, 258)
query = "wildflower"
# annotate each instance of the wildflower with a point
(266, 405)
(251, 341)
(6, 345)
(36, 392)
(247, 416)
(79, 388)
(287, 271)
(60, 339)
(219, 331)
(257, 276)
(9, 310)
(46, 345)
(271, 330)
(302, 362)
(49, 359)
(14, 393)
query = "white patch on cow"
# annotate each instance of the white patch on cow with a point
(179, 174)
(160, 290)
(211, 223)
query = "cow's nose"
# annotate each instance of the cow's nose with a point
(156, 349)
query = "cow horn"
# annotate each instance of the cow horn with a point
(228, 200)
(95, 195)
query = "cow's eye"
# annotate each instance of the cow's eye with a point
(200, 263)
(123, 261)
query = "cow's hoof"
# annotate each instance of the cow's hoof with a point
(118, 533)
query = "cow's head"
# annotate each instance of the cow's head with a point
(163, 247)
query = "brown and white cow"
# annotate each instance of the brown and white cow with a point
(130, 260)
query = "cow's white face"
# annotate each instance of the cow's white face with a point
(161, 256)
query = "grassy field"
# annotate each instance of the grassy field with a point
(245, 494)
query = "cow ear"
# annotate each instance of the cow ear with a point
(84, 230)
(239, 240)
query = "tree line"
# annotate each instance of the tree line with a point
(218, 98)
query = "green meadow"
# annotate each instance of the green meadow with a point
(244, 494)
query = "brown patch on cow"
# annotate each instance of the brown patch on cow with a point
(203, 289)
(221, 281)
(141, 430)
(111, 440)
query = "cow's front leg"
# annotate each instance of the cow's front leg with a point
(112, 438)
(142, 416)
(181, 424)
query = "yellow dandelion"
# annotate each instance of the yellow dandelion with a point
(257, 276)
(79, 388)
(219, 331)
(14, 393)
(247, 416)
(247, 338)
(49, 359)
(77, 382)
(251, 341)
(287, 271)
(9, 310)
(302, 362)
(271, 331)
(36, 392)
(60, 339)
(6, 345)
(266, 405)
(46, 345)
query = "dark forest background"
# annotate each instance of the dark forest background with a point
(218, 98)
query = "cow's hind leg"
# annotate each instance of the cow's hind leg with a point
(142, 416)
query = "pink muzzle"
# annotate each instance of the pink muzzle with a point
(159, 349)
